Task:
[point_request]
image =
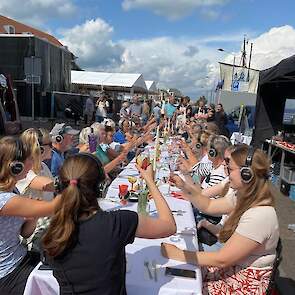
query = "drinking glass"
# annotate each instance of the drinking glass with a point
(123, 190)
(132, 180)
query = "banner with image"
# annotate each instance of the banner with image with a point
(238, 79)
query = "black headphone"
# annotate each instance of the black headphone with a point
(59, 138)
(17, 166)
(40, 140)
(213, 153)
(100, 186)
(246, 171)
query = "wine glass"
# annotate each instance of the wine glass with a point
(123, 190)
(172, 167)
(132, 180)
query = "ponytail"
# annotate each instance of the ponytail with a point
(61, 233)
(79, 182)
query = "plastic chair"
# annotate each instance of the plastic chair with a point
(272, 290)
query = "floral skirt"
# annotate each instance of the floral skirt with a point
(235, 280)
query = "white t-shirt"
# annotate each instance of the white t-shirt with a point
(231, 198)
(23, 184)
(260, 224)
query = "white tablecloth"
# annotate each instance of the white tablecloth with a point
(137, 279)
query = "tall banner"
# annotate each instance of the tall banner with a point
(238, 79)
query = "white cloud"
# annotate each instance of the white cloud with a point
(93, 45)
(175, 63)
(37, 12)
(188, 64)
(174, 10)
(270, 47)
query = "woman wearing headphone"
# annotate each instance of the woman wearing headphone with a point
(85, 245)
(216, 148)
(17, 217)
(198, 167)
(244, 264)
(38, 183)
(39, 180)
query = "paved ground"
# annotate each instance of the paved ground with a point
(286, 213)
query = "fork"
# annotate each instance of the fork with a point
(147, 265)
(154, 264)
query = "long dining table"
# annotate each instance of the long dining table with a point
(145, 266)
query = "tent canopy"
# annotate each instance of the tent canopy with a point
(275, 85)
(120, 80)
(151, 86)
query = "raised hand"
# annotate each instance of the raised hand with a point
(147, 174)
(183, 165)
(177, 181)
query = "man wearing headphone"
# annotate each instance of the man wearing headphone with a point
(62, 139)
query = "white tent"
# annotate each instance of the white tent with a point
(109, 80)
(151, 86)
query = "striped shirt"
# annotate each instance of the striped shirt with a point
(202, 168)
(216, 176)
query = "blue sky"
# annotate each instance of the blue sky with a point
(172, 42)
(236, 16)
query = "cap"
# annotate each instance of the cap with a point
(62, 128)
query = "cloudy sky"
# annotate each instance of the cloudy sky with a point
(174, 42)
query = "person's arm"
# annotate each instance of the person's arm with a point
(164, 225)
(202, 169)
(114, 163)
(194, 194)
(28, 228)
(26, 207)
(112, 154)
(42, 183)
(212, 228)
(235, 249)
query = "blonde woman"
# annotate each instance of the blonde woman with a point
(244, 264)
(38, 183)
(17, 217)
(39, 180)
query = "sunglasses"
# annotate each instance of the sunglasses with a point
(47, 144)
